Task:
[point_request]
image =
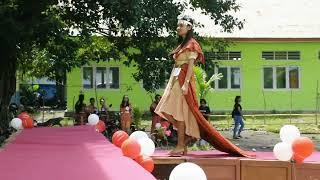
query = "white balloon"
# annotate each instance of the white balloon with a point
(187, 171)
(138, 135)
(147, 146)
(289, 133)
(283, 151)
(16, 123)
(158, 125)
(93, 119)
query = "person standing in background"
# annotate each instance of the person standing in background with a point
(91, 108)
(80, 107)
(125, 114)
(238, 118)
(204, 109)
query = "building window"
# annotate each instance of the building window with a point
(281, 55)
(87, 77)
(281, 77)
(235, 78)
(223, 82)
(268, 77)
(231, 78)
(104, 77)
(101, 77)
(228, 55)
(113, 78)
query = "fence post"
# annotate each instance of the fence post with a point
(317, 102)
(264, 108)
(291, 107)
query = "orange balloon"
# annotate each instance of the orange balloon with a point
(101, 126)
(131, 148)
(303, 147)
(119, 137)
(23, 116)
(27, 123)
(146, 162)
(298, 159)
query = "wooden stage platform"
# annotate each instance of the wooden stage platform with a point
(219, 166)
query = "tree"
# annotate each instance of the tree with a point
(32, 25)
(24, 24)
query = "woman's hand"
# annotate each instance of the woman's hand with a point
(185, 88)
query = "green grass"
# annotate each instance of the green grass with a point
(306, 123)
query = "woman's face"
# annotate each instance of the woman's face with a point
(182, 29)
(126, 98)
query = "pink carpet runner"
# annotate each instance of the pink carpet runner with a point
(73, 153)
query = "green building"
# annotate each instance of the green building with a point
(271, 74)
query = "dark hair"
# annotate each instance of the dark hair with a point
(91, 99)
(123, 103)
(237, 99)
(79, 104)
(203, 101)
(184, 41)
(81, 98)
(156, 96)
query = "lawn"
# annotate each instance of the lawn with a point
(270, 123)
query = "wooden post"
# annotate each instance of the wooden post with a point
(317, 102)
(291, 106)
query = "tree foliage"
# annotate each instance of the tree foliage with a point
(36, 34)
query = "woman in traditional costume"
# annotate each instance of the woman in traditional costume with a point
(179, 103)
(125, 114)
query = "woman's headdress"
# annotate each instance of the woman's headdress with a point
(185, 19)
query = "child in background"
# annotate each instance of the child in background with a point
(204, 109)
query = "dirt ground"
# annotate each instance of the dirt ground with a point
(263, 141)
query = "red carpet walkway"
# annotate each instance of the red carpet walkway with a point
(76, 153)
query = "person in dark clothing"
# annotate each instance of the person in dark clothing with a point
(204, 109)
(238, 118)
(80, 106)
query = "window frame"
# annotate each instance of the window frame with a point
(275, 52)
(94, 70)
(216, 82)
(274, 76)
(214, 56)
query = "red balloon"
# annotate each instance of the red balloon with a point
(101, 126)
(298, 159)
(119, 137)
(146, 162)
(27, 121)
(23, 116)
(303, 147)
(131, 148)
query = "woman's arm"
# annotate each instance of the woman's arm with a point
(239, 109)
(188, 77)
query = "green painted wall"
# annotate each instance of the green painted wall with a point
(251, 90)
